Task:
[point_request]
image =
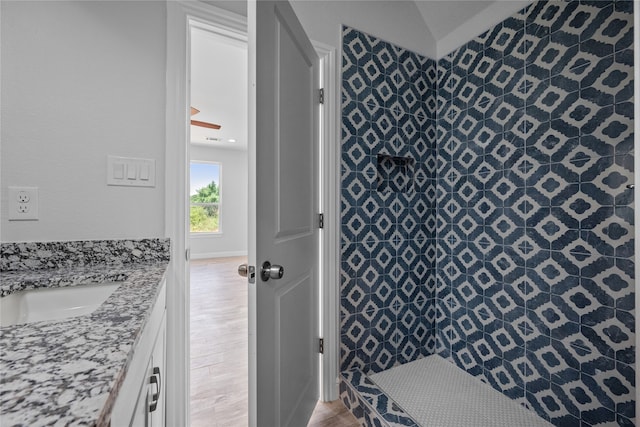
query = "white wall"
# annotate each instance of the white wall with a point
(238, 7)
(234, 180)
(81, 80)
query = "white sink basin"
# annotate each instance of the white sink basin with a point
(34, 305)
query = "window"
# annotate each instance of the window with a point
(205, 197)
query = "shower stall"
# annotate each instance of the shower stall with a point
(487, 231)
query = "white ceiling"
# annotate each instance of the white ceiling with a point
(219, 89)
(444, 17)
(454, 22)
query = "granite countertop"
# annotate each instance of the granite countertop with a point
(69, 372)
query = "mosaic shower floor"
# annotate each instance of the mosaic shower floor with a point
(437, 393)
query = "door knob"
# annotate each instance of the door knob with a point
(269, 271)
(243, 269)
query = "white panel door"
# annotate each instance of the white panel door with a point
(286, 189)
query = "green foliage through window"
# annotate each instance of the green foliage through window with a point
(205, 199)
(208, 194)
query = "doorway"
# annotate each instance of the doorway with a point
(182, 16)
(218, 207)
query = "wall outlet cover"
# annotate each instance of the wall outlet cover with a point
(23, 203)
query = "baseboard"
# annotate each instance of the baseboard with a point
(218, 254)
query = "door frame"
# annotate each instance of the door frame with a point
(181, 15)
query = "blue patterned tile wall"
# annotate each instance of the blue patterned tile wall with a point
(535, 263)
(513, 254)
(388, 204)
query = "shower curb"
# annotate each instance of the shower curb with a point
(369, 403)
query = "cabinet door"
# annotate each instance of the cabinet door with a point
(158, 363)
(140, 416)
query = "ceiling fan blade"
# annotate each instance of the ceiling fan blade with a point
(205, 124)
(202, 124)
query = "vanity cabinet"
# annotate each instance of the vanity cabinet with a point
(141, 400)
(149, 410)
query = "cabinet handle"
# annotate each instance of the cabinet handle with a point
(156, 379)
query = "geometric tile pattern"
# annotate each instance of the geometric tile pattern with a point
(388, 192)
(535, 265)
(485, 213)
(369, 403)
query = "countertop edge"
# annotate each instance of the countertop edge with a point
(104, 419)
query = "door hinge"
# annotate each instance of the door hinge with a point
(321, 220)
(321, 96)
(321, 346)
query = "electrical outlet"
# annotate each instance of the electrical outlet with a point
(23, 203)
(23, 196)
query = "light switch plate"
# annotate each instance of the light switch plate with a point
(131, 172)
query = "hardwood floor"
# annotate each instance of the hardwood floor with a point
(332, 414)
(219, 348)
